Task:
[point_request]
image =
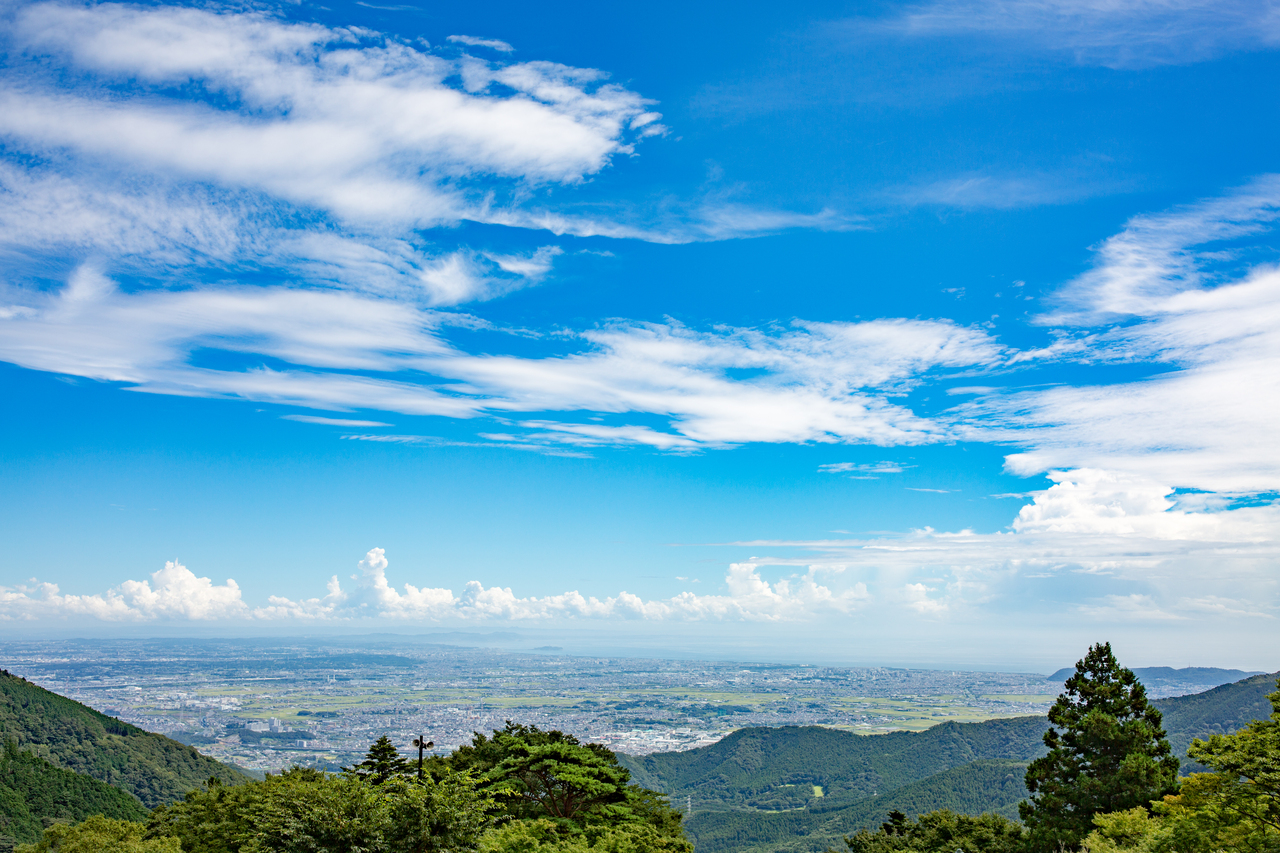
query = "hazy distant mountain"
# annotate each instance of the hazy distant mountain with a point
(1164, 681)
(152, 767)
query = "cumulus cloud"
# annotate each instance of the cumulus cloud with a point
(749, 597)
(1125, 548)
(174, 593)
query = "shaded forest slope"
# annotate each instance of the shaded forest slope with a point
(35, 793)
(154, 768)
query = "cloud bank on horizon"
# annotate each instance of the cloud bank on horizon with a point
(182, 181)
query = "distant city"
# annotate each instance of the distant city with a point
(269, 704)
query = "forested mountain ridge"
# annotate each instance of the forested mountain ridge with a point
(154, 768)
(34, 792)
(740, 770)
(1221, 710)
(969, 789)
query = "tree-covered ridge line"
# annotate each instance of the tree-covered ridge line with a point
(743, 769)
(981, 786)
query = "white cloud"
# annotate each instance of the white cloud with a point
(1111, 33)
(1142, 269)
(1124, 547)
(749, 598)
(472, 41)
(344, 422)
(917, 598)
(863, 470)
(826, 382)
(1126, 607)
(998, 192)
(173, 593)
(341, 120)
(1208, 422)
(183, 144)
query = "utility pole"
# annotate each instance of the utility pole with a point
(422, 743)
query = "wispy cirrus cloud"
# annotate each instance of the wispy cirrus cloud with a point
(1182, 289)
(474, 41)
(343, 422)
(999, 191)
(825, 382)
(1110, 33)
(295, 136)
(362, 127)
(863, 470)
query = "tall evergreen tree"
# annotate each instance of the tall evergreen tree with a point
(381, 764)
(1107, 753)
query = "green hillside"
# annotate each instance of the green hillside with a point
(749, 768)
(970, 789)
(152, 767)
(755, 790)
(34, 792)
(1221, 710)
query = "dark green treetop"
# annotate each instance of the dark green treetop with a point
(552, 775)
(307, 811)
(1107, 753)
(381, 764)
(940, 831)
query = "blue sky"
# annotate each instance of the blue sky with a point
(885, 333)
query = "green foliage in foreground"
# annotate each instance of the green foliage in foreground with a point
(1234, 808)
(152, 767)
(34, 793)
(549, 775)
(1107, 753)
(306, 810)
(522, 791)
(942, 831)
(100, 834)
(544, 836)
